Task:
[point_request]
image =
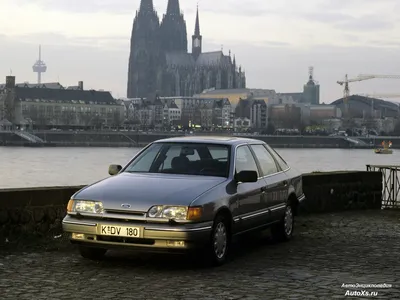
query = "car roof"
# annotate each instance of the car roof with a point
(223, 140)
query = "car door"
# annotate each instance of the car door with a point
(250, 193)
(276, 183)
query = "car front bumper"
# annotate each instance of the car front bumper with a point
(152, 237)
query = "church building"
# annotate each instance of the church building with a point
(160, 62)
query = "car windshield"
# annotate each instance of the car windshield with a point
(183, 158)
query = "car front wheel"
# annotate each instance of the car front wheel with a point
(92, 253)
(220, 241)
(283, 231)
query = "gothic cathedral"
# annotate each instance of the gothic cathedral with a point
(159, 61)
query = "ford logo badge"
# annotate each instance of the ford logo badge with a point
(125, 205)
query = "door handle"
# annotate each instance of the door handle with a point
(285, 183)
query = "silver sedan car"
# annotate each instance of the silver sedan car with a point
(187, 193)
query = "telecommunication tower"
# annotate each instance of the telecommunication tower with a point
(39, 67)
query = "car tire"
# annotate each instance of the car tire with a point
(283, 231)
(92, 253)
(220, 241)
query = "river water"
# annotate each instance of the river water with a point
(38, 167)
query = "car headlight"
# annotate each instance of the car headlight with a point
(175, 212)
(84, 206)
(168, 212)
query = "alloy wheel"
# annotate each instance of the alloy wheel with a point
(288, 221)
(220, 240)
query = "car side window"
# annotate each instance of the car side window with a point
(282, 163)
(267, 162)
(220, 153)
(244, 160)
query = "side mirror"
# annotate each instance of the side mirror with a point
(246, 176)
(114, 169)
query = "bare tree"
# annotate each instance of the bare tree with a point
(96, 121)
(33, 114)
(68, 117)
(41, 120)
(2, 106)
(117, 120)
(396, 130)
(8, 106)
(86, 118)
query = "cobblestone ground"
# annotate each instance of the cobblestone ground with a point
(328, 251)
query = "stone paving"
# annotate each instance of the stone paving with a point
(328, 251)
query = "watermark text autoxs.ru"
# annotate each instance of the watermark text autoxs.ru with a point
(362, 293)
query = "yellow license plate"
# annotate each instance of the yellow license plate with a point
(123, 231)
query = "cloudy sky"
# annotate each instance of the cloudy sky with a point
(275, 41)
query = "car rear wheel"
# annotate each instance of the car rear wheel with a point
(92, 253)
(283, 231)
(220, 241)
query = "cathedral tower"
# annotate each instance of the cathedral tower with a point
(144, 52)
(173, 34)
(196, 38)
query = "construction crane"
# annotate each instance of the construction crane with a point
(361, 77)
(346, 91)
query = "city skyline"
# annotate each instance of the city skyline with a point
(91, 43)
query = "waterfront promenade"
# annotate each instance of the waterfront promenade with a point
(139, 139)
(329, 250)
(344, 243)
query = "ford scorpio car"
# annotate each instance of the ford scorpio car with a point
(187, 193)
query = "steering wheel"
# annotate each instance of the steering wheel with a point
(209, 169)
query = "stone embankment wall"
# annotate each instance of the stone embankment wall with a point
(339, 191)
(33, 212)
(38, 212)
(140, 139)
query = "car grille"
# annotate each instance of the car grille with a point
(132, 220)
(126, 212)
(124, 216)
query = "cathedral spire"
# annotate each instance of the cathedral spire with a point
(197, 25)
(173, 7)
(146, 6)
(197, 38)
(173, 34)
(144, 52)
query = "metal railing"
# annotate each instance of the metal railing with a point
(391, 184)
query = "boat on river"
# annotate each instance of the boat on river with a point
(385, 148)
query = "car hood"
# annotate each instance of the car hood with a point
(142, 191)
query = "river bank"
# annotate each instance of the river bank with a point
(140, 139)
(124, 145)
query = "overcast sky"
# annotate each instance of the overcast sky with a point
(275, 41)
